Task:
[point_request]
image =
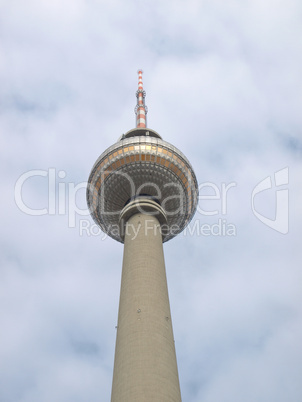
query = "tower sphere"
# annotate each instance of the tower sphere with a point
(142, 164)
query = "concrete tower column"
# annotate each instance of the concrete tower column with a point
(145, 367)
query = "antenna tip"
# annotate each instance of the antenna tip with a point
(139, 71)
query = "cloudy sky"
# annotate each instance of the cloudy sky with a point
(223, 83)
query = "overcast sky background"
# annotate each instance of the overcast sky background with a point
(223, 83)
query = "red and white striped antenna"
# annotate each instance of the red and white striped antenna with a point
(140, 108)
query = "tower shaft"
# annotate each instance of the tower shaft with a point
(145, 367)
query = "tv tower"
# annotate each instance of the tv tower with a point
(142, 191)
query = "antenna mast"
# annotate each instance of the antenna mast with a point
(140, 108)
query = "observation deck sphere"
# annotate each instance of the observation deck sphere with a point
(142, 164)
